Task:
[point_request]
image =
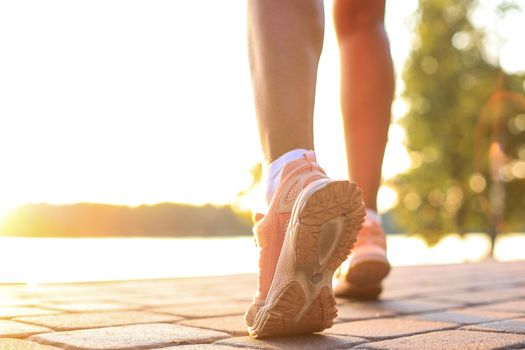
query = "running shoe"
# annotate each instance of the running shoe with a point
(300, 250)
(361, 275)
(270, 229)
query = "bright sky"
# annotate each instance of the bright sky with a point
(132, 102)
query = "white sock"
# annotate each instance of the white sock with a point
(272, 174)
(372, 215)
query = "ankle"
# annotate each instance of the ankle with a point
(372, 216)
(272, 173)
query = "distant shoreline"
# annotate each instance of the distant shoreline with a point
(91, 220)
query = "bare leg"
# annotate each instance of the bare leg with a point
(285, 40)
(367, 86)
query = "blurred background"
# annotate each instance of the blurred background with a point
(129, 148)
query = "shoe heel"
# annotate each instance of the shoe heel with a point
(330, 221)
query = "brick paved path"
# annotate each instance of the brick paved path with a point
(476, 306)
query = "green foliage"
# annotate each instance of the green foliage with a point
(449, 86)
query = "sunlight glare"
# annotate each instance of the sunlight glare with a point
(397, 160)
(387, 198)
(5, 211)
(69, 260)
(510, 247)
(411, 250)
(144, 111)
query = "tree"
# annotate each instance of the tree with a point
(460, 107)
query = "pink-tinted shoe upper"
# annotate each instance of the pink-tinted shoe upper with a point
(371, 241)
(270, 229)
(370, 248)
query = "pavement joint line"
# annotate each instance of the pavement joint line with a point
(463, 328)
(373, 340)
(514, 346)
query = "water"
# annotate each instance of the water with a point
(38, 260)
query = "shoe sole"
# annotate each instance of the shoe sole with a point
(368, 270)
(351, 291)
(363, 279)
(324, 224)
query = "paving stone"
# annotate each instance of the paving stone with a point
(19, 330)
(392, 293)
(465, 316)
(305, 342)
(383, 328)
(500, 280)
(363, 310)
(206, 310)
(18, 344)
(424, 300)
(80, 293)
(125, 337)
(88, 306)
(415, 306)
(80, 298)
(481, 297)
(516, 306)
(10, 312)
(8, 291)
(13, 301)
(506, 326)
(230, 324)
(173, 300)
(200, 347)
(449, 340)
(66, 322)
